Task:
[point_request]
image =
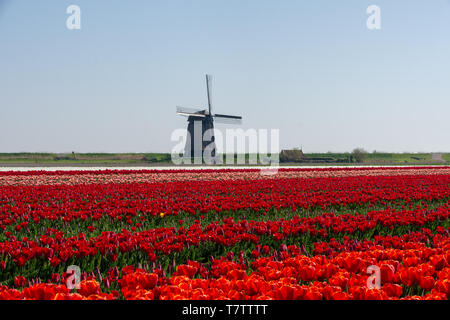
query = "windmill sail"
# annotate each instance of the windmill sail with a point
(227, 119)
(227, 116)
(209, 91)
(190, 112)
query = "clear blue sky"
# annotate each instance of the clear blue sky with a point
(309, 68)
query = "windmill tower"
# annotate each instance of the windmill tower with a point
(201, 127)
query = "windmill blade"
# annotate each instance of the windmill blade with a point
(227, 119)
(209, 91)
(190, 112)
(227, 116)
(196, 115)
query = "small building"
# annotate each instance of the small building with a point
(295, 155)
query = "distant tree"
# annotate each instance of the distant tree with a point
(359, 154)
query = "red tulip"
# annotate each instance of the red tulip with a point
(89, 287)
(20, 281)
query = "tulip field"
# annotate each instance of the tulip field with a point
(226, 234)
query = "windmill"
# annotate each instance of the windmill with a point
(201, 127)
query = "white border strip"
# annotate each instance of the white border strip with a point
(175, 168)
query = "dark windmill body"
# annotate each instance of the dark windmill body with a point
(200, 141)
